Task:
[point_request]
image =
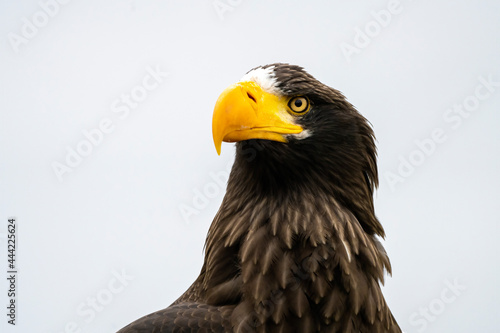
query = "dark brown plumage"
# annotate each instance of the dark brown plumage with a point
(293, 247)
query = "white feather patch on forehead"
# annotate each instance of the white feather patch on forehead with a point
(265, 78)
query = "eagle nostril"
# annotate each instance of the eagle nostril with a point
(251, 97)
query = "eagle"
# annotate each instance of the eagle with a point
(295, 245)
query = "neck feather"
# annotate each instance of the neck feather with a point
(300, 255)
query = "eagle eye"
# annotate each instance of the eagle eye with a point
(299, 104)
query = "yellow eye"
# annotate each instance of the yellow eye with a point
(299, 104)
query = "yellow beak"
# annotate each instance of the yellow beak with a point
(244, 111)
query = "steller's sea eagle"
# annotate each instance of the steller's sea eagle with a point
(293, 247)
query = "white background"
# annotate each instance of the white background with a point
(118, 210)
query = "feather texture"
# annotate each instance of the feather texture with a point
(294, 244)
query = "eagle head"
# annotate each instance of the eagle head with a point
(295, 133)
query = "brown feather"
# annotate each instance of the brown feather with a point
(294, 246)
